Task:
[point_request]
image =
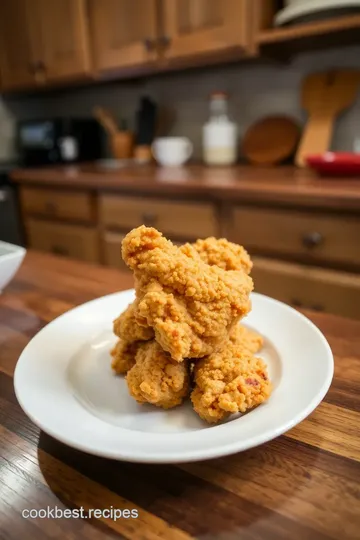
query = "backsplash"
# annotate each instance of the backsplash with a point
(255, 90)
(12, 109)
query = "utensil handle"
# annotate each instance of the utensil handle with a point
(316, 138)
(105, 120)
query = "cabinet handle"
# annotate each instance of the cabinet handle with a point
(164, 42)
(40, 66)
(149, 219)
(317, 307)
(58, 250)
(295, 302)
(312, 240)
(149, 44)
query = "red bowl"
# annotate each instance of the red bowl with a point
(335, 164)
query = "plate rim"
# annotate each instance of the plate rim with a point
(186, 455)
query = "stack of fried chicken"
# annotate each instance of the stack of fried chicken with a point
(181, 336)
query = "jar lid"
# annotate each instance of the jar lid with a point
(218, 95)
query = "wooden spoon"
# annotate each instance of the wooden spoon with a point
(324, 96)
(106, 120)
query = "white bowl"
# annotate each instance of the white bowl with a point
(172, 151)
(11, 257)
(300, 8)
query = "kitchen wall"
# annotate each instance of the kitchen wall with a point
(255, 90)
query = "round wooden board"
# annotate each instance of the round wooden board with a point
(271, 140)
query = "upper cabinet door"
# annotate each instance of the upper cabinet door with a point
(17, 61)
(194, 27)
(63, 38)
(123, 32)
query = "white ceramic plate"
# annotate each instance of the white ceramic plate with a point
(64, 383)
(306, 7)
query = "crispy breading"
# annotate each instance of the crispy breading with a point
(230, 381)
(123, 356)
(156, 378)
(222, 253)
(190, 305)
(246, 340)
(126, 327)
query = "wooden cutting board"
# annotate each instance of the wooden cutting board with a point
(324, 97)
(271, 140)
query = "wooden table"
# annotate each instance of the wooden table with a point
(301, 486)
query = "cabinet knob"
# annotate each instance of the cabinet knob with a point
(164, 42)
(58, 250)
(40, 66)
(50, 207)
(295, 302)
(317, 307)
(149, 44)
(32, 67)
(35, 67)
(312, 240)
(149, 219)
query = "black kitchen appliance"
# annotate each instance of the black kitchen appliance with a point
(10, 223)
(40, 141)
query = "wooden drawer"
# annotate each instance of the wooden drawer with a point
(112, 250)
(59, 204)
(308, 287)
(317, 236)
(73, 241)
(181, 219)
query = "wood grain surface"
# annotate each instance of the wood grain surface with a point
(283, 185)
(301, 486)
(271, 140)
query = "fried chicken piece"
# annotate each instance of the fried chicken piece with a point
(222, 253)
(229, 381)
(215, 252)
(126, 327)
(123, 356)
(156, 378)
(190, 305)
(246, 340)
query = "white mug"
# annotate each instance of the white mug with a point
(172, 151)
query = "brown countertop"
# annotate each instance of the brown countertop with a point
(303, 484)
(284, 185)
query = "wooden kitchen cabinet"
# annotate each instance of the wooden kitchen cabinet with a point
(316, 236)
(58, 204)
(63, 33)
(123, 32)
(74, 241)
(192, 27)
(17, 55)
(185, 220)
(42, 41)
(308, 287)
